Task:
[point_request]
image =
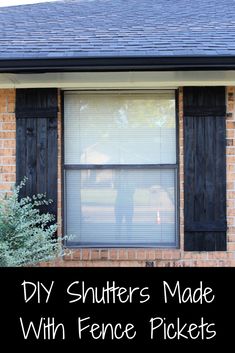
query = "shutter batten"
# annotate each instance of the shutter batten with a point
(204, 169)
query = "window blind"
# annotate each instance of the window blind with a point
(120, 128)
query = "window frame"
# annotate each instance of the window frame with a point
(65, 167)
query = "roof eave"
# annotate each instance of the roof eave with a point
(117, 63)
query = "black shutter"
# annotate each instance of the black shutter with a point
(36, 142)
(204, 169)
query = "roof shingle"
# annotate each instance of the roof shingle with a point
(91, 28)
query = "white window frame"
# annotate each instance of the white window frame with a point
(175, 167)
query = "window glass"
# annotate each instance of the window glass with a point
(120, 129)
(121, 206)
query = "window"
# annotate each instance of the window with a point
(120, 168)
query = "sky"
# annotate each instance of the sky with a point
(4, 3)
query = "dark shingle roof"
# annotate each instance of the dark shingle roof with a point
(81, 28)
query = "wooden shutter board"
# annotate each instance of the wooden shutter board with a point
(36, 140)
(205, 169)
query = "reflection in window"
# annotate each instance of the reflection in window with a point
(113, 206)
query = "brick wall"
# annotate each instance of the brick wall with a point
(230, 151)
(7, 140)
(128, 257)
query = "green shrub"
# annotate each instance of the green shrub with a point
(26, 235)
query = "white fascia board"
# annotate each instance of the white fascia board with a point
(118, 80)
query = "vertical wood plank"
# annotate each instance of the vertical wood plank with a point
(31, 156)
(52, 162)
(42, 155)
(189, 156)
(220, 172)
(210, 168)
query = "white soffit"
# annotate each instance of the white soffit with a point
(118, 80)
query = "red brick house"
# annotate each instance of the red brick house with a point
(123, 112)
